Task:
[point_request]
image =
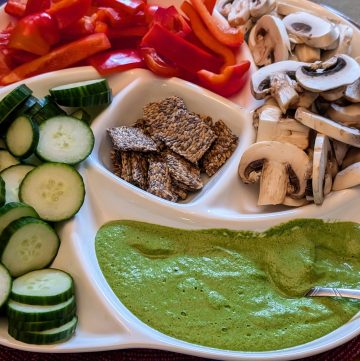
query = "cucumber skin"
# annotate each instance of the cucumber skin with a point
(17, 224)
(48, 300)
(3, 304)
(37, 338)
(39, 326)
(2, 192)
(79, 89)
(48, 109)
(34, 143)
(95, 99)
(11, 205)
(16, 315)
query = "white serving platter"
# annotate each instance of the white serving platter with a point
(104, 323)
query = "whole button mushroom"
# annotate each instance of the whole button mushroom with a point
(281, 168)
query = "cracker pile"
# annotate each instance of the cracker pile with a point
(166, 150)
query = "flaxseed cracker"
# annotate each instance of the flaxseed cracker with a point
(131, 139)
(221, 149)
(126, 172)
(139, 169)
(115, 157)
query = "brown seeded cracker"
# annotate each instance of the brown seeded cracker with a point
(183, 132)
(206, 118)
(183, 171)
(126, 172)
(159, 181)
(115, 157)
(139, 169)
(220, 150)
(131, 138)
(181, 193)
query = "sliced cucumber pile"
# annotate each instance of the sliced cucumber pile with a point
(39, 147)
(87, 93)
(41, 307)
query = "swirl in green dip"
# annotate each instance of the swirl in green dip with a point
(233, 290)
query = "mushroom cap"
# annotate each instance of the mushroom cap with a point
(322, 76)
(285, 153)
(260, 80)
(313, 30)
(269, 41)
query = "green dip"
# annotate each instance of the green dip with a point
(233, 290)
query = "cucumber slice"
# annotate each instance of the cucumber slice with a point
(12, 177)
(35, 313)
(7, 160)
(55, 190)
(28, 244)
(81, 114)
(29, 107)
(49, 109)
(80, 89)
(22, 137)
(13, 211)
(11, 101)
(54, 335)
(42, 325)
(65, 139)
(94, 99)
(5, 284)
(2, 192)
(43, 287)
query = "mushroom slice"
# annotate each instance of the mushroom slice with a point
(328, 127)
(291, 202)
(260, 80)
(284, 8)
(331, 74)
(306, 100)
(333, 94)
(278, 159)
(271, 126)
(352, 92)
(347, 178)
(269, 43)
(348, 115)
(322, 149)
(328, 182)
(239, 13)
(224, 7)
(352, 156)
(342, 45)
(340, 150)
(259, 8)
(307, 53)
(313, 30)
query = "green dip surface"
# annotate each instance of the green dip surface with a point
(233, 290)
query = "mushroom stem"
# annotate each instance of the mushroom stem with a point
(283, 90)
(273, 183)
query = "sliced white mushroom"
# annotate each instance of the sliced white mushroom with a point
(278, 159)
(342, 45)
(348, 115)
(352, 156)
(307, 53)
(352, 92)
(269, 42)
(328, 127)
(291, 202)
(271, 126)
(327, 184)
(246, 27)
(347, 178)
(239, 13)
(334, 94)
(313, 30)
(260, 80)
(284, 8)
(322, 76)
(259, 8)
(306, 100)
(340, 150)
(224, 7)
(320, 159)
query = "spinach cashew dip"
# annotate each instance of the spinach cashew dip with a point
(233, 290)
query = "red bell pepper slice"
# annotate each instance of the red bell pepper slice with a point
(35, 33)
(170, 19)
(127, 6)
(158, 65)
(60, 58)
(83, 27)
(133, 31)
(36, 6)
(116, 60)
(226, 35)
(210, 4)
(179, 51)
(16, 8)
(67, 12)
(109, 16)
(150, 11)
(227, 83)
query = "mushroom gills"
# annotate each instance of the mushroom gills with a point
(313, 30)
(307, 53)
(283, 90)
(348, 115)
(328, 127)
(347, 178)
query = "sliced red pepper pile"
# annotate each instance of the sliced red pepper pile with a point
(117, 35)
